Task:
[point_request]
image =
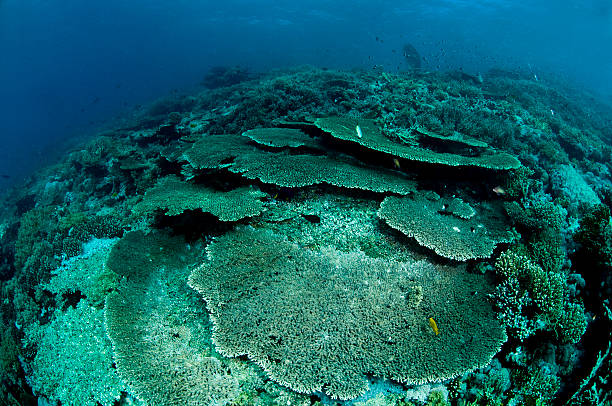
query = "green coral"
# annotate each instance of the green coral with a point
(74, 362)
(85, 273)
(525, 283)
(537, 386)
(282, 137)
(175, 196)
(547, 250)
(595, 236)
(518, 182)
(452, 237)
(571, 324)
(548, 290)
(537, 215)
(370, 136)
(291, 170)
(355, 316)
(159, 331)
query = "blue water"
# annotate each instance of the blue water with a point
(68, 66)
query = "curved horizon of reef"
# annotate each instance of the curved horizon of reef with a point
(447, 239)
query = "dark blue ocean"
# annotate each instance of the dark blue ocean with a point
(68, 67)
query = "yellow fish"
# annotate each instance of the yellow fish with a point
(433, 325)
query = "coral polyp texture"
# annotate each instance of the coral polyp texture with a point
(367, 133)
(216, 151)
(357, 315)
(460, 236)
(173, 197)
(158, 331)
(306, 170)
(282, 137)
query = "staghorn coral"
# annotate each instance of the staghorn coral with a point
(175, 196)
(355, 315)
(452, 237)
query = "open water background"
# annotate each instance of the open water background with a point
(67, 66)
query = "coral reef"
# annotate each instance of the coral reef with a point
(173, 197)
(373, 209)
(74, 359)
(452, 236)
(356, 315)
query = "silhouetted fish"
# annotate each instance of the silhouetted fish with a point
(412, 57)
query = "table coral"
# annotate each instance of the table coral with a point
(355, 316)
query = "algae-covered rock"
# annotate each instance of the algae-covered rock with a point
(454, 237)
(368, 134)
(356, 314)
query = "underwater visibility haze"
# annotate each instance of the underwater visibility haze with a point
(305, 203)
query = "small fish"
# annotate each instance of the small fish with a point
(498, 190)
(359, 133)
(552, 112)
(433, 325)
(396, 163)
